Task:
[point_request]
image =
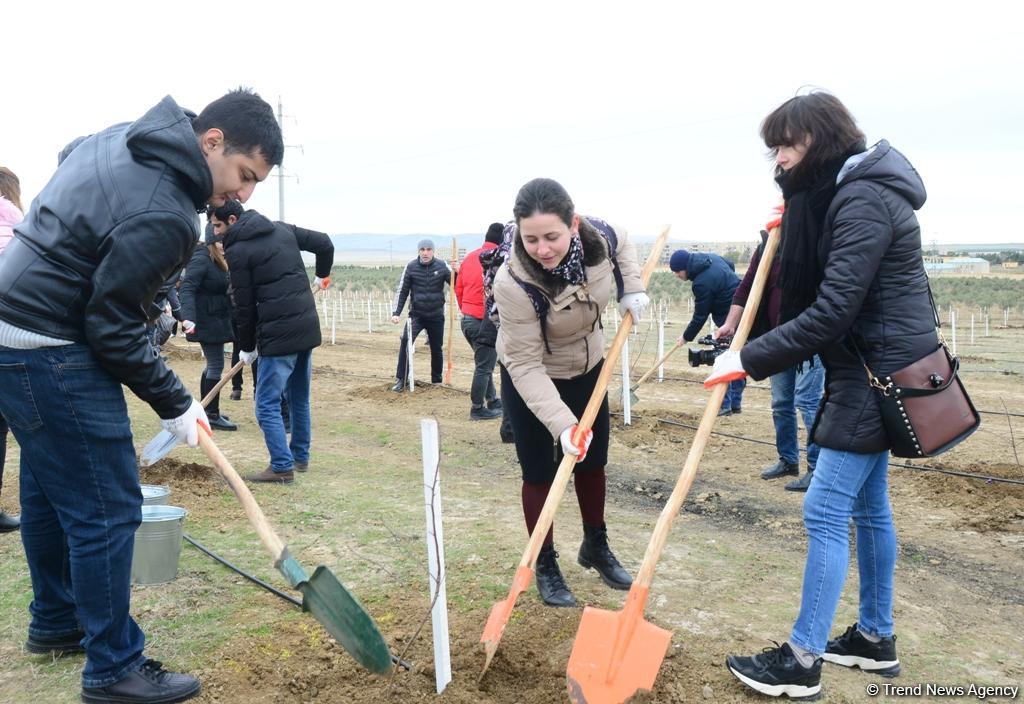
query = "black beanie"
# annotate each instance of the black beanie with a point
(494, 233)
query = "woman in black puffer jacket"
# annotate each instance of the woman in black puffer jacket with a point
(851, 277)
(206, 313)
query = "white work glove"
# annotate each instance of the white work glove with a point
(395, 319)
(321, 284)
(579, 450)
(728, 367)
(636, 303)
(186, 426)
(188, 326)
(248, 357)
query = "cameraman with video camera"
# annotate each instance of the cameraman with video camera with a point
(713, 280)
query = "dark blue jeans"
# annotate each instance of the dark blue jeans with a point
(80, 501)
(795, 389)
(286, 375)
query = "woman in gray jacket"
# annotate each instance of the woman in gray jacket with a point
(560, 271)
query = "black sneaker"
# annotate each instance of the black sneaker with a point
(852, 649)
(494, 404)
(399, 387)
(776, 671)
(484, 413)
(781, 468)
(801, 484)
(150, 684)
(236, 394)
(57, 646)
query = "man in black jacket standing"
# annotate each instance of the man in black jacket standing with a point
(423, 284)
(276, 318)
(114, 222)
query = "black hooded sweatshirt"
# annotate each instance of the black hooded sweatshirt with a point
(116, 220)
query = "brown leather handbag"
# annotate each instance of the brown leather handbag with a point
(925, 407)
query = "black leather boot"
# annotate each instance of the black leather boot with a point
(594, 552)
(151, 683)
(217, 421)
(550, 583)
(8, 522)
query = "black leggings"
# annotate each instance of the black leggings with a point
(214, 353)
(3, 448)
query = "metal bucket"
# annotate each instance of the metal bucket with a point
(158, 544)
(155, 494)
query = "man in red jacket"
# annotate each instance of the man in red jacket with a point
(480, 333)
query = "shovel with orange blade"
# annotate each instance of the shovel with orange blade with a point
(502, 610)
(617, 653)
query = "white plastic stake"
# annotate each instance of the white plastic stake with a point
(986, 324)
(435, 553)
(661, 349)
(408, 352)
(972, 329)
(334, 321)
(627, 417)
(952, 324)
(369, 315)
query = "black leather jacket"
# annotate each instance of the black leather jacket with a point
(112, 225)
(874, 289)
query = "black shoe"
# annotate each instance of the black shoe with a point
(150, 684)
(550, 583)
(781, 468)
(494, 404)
(725, 412)
(9, 522)
(594, 552)
(776, 671)
(852, 649)
(802, 483)
(220, 422)
(484, 413)
(236, 394)
(737, 410)
(269, 476)
(57, 646)
(399, 386)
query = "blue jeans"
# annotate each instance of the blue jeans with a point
(793, 389)
(288, 375)
(845, 485)
(80, 501)
(733, 399)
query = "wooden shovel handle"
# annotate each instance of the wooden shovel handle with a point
(253, 512)
(657, 364)
(707, 422)
(451, 311)
(220, 384)
(547, 514)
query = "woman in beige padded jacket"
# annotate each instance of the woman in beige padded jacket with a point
(560, 271)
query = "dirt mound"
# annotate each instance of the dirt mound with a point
(647, 434)
(383, 393)
(991, 505)
(300, 662)
(193, 486)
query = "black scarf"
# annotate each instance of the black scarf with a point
(807, 202)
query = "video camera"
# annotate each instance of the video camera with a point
(707, 357)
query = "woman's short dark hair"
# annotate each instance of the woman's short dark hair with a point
(248, 124)
(820, 116)
(546, 196)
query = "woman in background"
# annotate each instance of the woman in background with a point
(10, 215)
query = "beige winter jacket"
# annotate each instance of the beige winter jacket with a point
(573, 329)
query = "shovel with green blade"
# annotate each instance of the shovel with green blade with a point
(322, 594)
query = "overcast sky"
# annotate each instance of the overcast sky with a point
(428, 117)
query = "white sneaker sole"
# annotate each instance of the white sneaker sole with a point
(866, 664)
(793, 691)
